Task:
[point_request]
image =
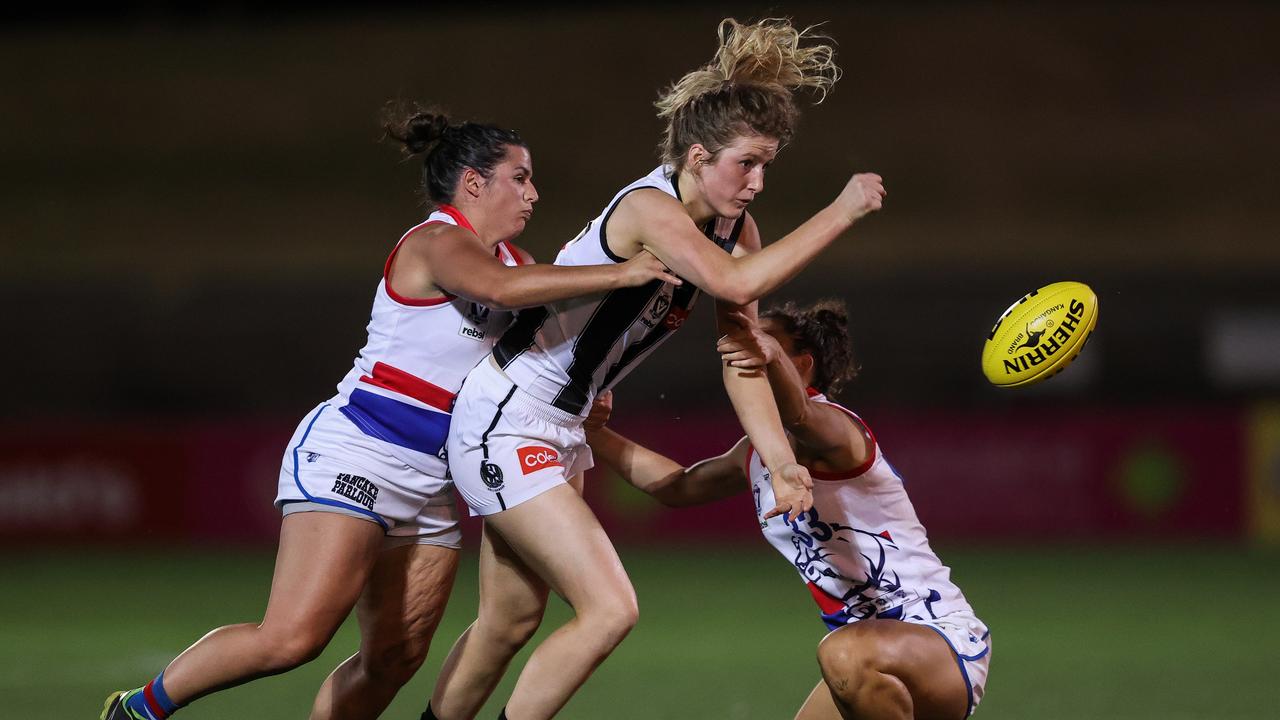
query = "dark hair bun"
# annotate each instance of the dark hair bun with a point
(417, 129)
(831, 315)
(447, 150)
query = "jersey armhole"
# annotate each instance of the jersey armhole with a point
(868, 437)
(386, 274)
(604, 221)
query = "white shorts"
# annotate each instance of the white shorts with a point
(970, 642)
(330, 465)
(506, 447)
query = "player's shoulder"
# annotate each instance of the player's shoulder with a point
(434, 238)
(436, 229)
(649, 198)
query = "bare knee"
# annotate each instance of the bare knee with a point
(517, 632)
(393, 662)
(856, 662)
(283, 651)
(612, 618)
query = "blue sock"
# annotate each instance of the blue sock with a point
(150, 701)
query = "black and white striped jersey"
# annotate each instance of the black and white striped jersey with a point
(566, 352)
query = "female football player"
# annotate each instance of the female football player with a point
(369, 514)
(517, 437)
(904, 641)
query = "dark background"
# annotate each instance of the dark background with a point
(195, 207)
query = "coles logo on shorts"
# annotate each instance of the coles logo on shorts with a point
(536, 457)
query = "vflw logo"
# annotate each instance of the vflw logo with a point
(474, 322)
(660, 305)
(537, 457)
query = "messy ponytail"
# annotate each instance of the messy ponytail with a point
(822, 330)
(446, 149)
(746, 88)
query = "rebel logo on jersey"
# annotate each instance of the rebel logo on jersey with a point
(491, 474)
(537, 457)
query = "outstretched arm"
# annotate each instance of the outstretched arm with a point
(666, 480)
(453, 260)
(655, 221)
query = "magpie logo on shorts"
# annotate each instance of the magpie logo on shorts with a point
(491, 474)
(537, 457)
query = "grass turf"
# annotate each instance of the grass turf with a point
(1095, 631)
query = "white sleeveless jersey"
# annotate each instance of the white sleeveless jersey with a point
(404, 381)
(861, 549)
(566, 352)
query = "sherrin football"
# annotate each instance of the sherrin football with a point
(1040, 334)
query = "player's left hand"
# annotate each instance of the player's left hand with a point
(792, 490)
(601, 410)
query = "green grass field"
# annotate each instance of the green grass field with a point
(1080, 632)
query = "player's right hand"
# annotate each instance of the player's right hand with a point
(643, 269)
(601, 409)
(792, 491)
(863, 194)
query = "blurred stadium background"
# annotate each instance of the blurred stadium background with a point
(194, 208)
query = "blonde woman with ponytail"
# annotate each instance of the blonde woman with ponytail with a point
(517, 441)
(369, 518)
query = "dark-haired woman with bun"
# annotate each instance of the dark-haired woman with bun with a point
(369, 517)
(904, 642)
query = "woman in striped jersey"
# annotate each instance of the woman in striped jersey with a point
(904, 642)
(369, 512)
(517, 440)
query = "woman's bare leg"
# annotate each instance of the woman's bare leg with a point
(321, 567)
(513, 600)
(559, 538)
(892, 670)
(398, 613)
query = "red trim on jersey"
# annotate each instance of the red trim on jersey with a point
(751, 450)
(462, 222)
(396, 380)
(511, 250)
(826, 603)
(871, 445)
(386, 271)
(458, 217)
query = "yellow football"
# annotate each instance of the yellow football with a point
(1040, 334)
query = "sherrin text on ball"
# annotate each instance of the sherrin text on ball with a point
(1040, 334)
